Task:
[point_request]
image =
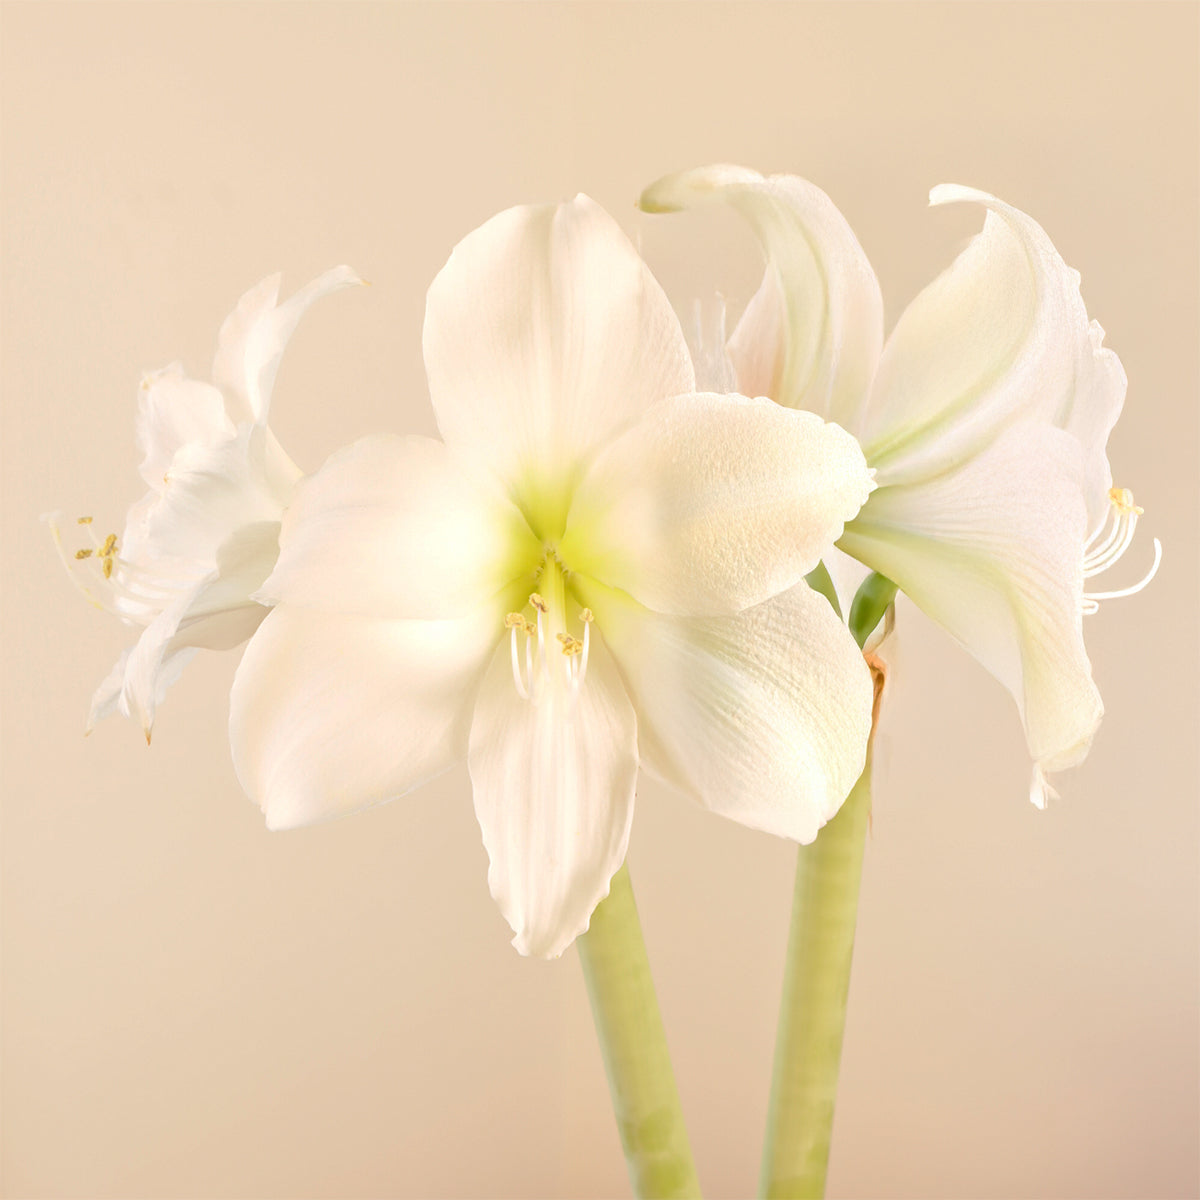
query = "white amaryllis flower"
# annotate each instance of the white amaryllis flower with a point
(206, 535)
(985, 416)
(594, 568)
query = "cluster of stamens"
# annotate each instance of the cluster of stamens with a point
(1109, 543)
(133, 595)
(531, 662)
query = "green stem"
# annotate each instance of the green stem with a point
(816, 981)
(634, 1045)
(812, 1019)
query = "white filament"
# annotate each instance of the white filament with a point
(1120, 526)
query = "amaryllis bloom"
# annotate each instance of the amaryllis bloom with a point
(985, 416)
(206, 535)
(595, 568)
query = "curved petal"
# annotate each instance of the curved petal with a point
(211, 491)
(392, 527)
(711, 504)
(153, 663)
(114, 693)
(554, 785)
(762, 717)
(174, 410)
(994, 553)
(545, 336)
(331, 713)
(1002, 333)
(253, 337)
(822, 349)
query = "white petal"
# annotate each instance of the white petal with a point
(994, 553)
(154, 663)
(254, 335)
(546, 335)
(111, 696)
(762, 717)
(172, 411)
(711, 504)
(392, 527)
(334, 713)
(106, 698)
(758, 345)
(211, 491)
(554, 786)
(821, 350)
(1002, 333)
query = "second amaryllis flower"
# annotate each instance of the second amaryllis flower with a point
(985, 415)
(596, 568)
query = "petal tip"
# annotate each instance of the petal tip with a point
(953, 193)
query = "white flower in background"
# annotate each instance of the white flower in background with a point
(206, 535)
(594, 568)
(985, 417)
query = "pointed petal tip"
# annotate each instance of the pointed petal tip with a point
(1040, 790)
(681, 189)
(953, 193)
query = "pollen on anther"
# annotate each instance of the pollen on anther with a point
(85, 553)
(539, 603)
(516, 621)
(586, 616)
(110, 545)
(83, 520)
(108, 566)
(1122, 499)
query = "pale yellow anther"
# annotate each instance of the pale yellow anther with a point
(110, 545)
(570, 646)
(1122, 499)
(83, 553)
(108, 567)
(83, 520)
(514, 621)
(539, 603)
(586, 616)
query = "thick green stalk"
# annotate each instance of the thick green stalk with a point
(816, 982)
(812, 1019)
(634, 1046)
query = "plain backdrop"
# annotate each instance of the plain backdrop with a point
(193, 1007)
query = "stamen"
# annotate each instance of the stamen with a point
(1098, 558)
(83, 520)
(585, 615)
(84, 553)
(1133, 588)
(1112, 522)
(532, 679)
(522, 691)
(1122, 499)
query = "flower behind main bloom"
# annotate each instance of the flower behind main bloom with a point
(594, 568)
(206, 534)
(985, 416)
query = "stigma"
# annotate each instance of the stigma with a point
(1109, 543)
(535, 666)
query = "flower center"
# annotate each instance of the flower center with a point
(535, 664)
(1109, 543)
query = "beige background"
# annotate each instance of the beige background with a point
(193, 1007)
